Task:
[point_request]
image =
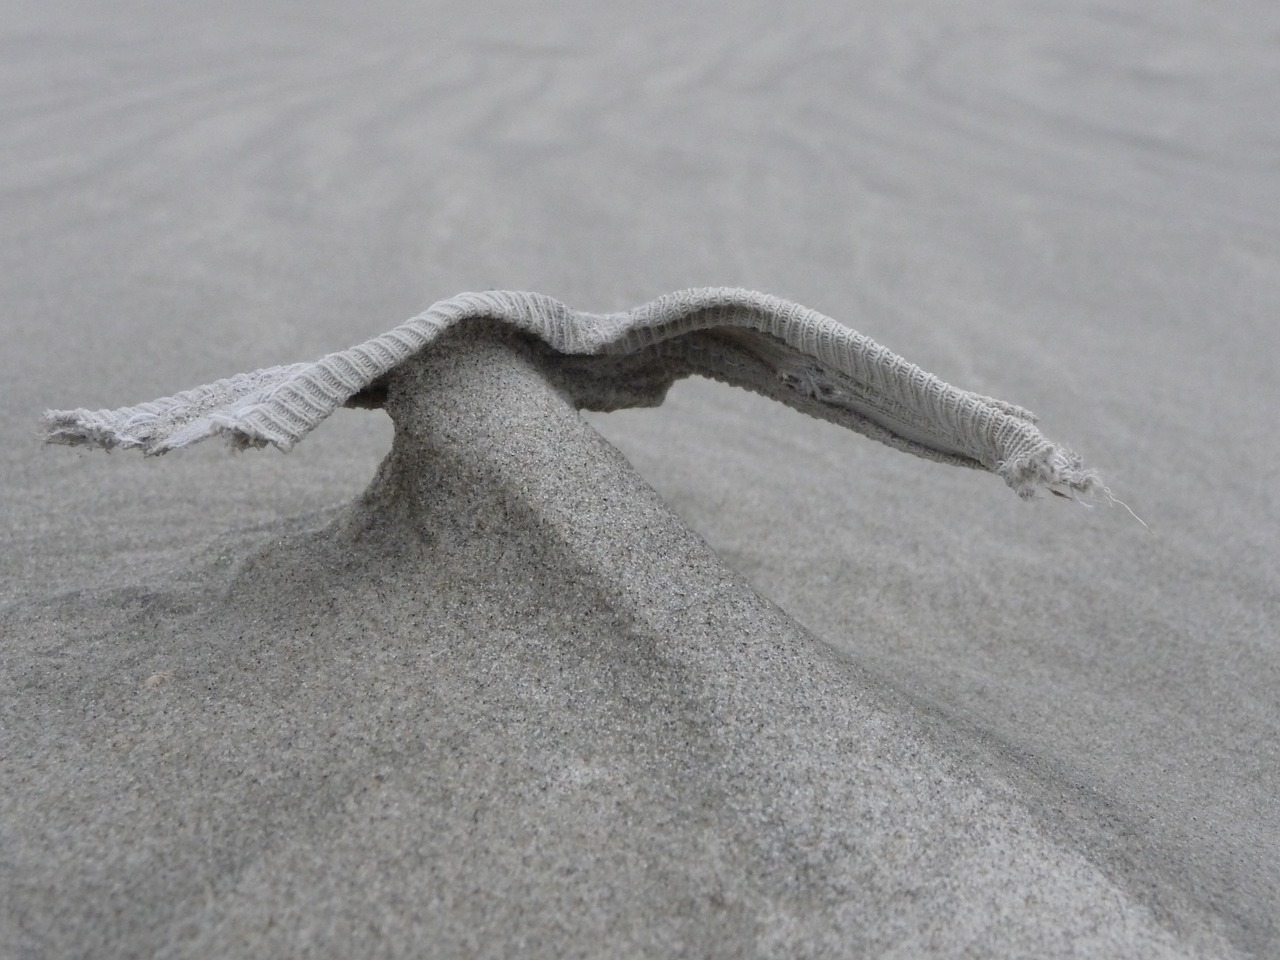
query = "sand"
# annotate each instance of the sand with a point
(730, 681)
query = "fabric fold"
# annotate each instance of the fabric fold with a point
(745, 338)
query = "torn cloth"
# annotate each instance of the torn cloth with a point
(606, 361)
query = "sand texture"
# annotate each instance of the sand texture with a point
(508, 704)
(481, 675)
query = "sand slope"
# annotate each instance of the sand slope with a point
(507, 703)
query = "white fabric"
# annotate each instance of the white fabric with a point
(607, 361)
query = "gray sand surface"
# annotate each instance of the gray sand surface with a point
(810, 697)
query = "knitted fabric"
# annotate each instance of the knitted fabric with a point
(607, 361)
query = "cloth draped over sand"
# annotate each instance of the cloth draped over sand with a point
(609, 361)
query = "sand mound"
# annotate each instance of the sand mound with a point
(507, 704)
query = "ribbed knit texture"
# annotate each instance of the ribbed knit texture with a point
(607, 361)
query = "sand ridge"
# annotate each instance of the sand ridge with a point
(507, 702)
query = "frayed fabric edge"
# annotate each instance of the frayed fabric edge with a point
(889, 399)
(1051, 469)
